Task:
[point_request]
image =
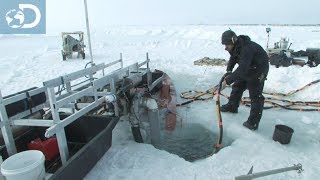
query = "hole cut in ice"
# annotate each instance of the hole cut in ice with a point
(191, 141)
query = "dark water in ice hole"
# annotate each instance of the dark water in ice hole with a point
(191, 141)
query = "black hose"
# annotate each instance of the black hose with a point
(218, 145)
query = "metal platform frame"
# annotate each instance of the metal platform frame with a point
(67, 100)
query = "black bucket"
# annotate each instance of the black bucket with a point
(282, 134)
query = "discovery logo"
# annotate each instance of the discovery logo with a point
(22, 16)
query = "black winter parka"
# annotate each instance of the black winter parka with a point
(251, 58)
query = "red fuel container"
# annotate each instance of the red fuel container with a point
(48, 147)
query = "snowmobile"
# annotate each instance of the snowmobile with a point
(282, 55)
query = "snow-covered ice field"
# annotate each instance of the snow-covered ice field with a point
(27, 61)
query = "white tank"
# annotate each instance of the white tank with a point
(284, 43)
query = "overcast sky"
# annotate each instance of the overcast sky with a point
(180, 12)
(211, 11)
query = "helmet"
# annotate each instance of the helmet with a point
(229, 37)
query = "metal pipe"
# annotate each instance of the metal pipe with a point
(153, 116)
(289, 46)
(121, 60)
(268, 41)
(6, 129)
(149, 74)
(267, 173)
(268, 31)
(88, 31)
(110, 98)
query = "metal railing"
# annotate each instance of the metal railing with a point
(56, 101)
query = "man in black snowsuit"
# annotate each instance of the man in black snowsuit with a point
(250, 74)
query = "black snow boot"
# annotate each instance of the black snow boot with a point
(251, 126)
(255, 114)
(237, 90)
(229, 108)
